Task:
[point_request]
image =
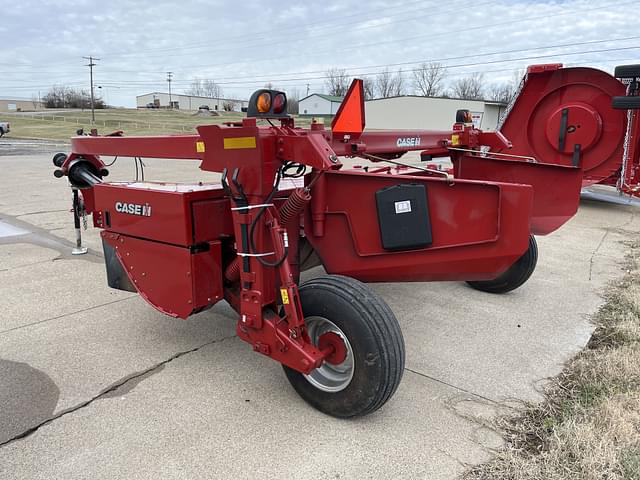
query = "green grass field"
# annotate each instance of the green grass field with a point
(60, 125)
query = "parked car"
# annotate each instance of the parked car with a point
(4, 128)
(203, 107)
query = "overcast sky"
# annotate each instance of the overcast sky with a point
(244, 44)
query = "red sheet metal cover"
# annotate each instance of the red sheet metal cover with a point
(156, 211)
(558, 109)
(479, 229)
(172, 279)
(556, 188)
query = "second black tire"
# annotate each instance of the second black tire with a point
(515, 276)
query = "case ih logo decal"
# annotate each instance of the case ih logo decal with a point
(408, 142)
(134, 209)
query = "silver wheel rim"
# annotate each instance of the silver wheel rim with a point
(328, 377)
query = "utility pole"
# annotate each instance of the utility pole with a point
(91, 65)
(307, 89)
(169, 76)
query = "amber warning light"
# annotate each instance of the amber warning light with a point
(267, 104)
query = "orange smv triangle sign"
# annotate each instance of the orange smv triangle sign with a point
(350, 117)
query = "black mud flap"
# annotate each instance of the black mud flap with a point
(403, 215)
(116, 276)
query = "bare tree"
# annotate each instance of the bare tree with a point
(388, 84)
(212, 89)
(61, 96)
(505, 92)
(196, 88)
(428, 79)
(204, 88)
(398, 84)
(501, 92)
(369, 88)
(228, 105)
(469, 88)
(293, 97)
(337, 81)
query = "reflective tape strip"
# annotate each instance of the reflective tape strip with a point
(239, 142)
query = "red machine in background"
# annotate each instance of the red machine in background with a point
(246, 239)
(580, 116)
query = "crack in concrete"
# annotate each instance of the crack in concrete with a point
(68, 314)
(618, 228)
(595, 252)
(105, 393)
(43, 211)
(29, 265)
(450, 385)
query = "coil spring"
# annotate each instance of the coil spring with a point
(291, 207)
(232, 273)
(294, 205)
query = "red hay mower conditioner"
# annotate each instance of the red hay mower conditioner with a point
(246, 239)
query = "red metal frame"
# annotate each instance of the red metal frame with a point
(195, 247)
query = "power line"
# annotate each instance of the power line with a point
(377, 72)
(258, 36)
(447, 32)
(431, 35)
(350, 69)
(290, 77)
(254, 41)
(592, 63)
(274, 76)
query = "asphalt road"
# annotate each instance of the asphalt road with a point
(12, 146)
(96, 384)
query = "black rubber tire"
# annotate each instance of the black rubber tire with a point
(625, 103)
(517, 274)
(376, 340)
(627, 71)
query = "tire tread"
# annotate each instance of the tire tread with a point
(627, 71)
(383, 323)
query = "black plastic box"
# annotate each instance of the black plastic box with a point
(403, 215)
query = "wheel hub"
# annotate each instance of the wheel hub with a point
(336, 372)
(332, 342)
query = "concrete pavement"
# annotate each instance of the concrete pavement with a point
(96, 384)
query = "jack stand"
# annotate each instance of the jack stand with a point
(78, 249)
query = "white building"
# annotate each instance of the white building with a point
(319, 105)
(428, 113)
(19, 105)
(409, 112)
(187, 102)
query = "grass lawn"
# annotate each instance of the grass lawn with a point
(60, 125)
(588, 428)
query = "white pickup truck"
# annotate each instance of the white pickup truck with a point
(4, 128)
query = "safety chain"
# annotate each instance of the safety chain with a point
(625, 148)
(507, 111)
